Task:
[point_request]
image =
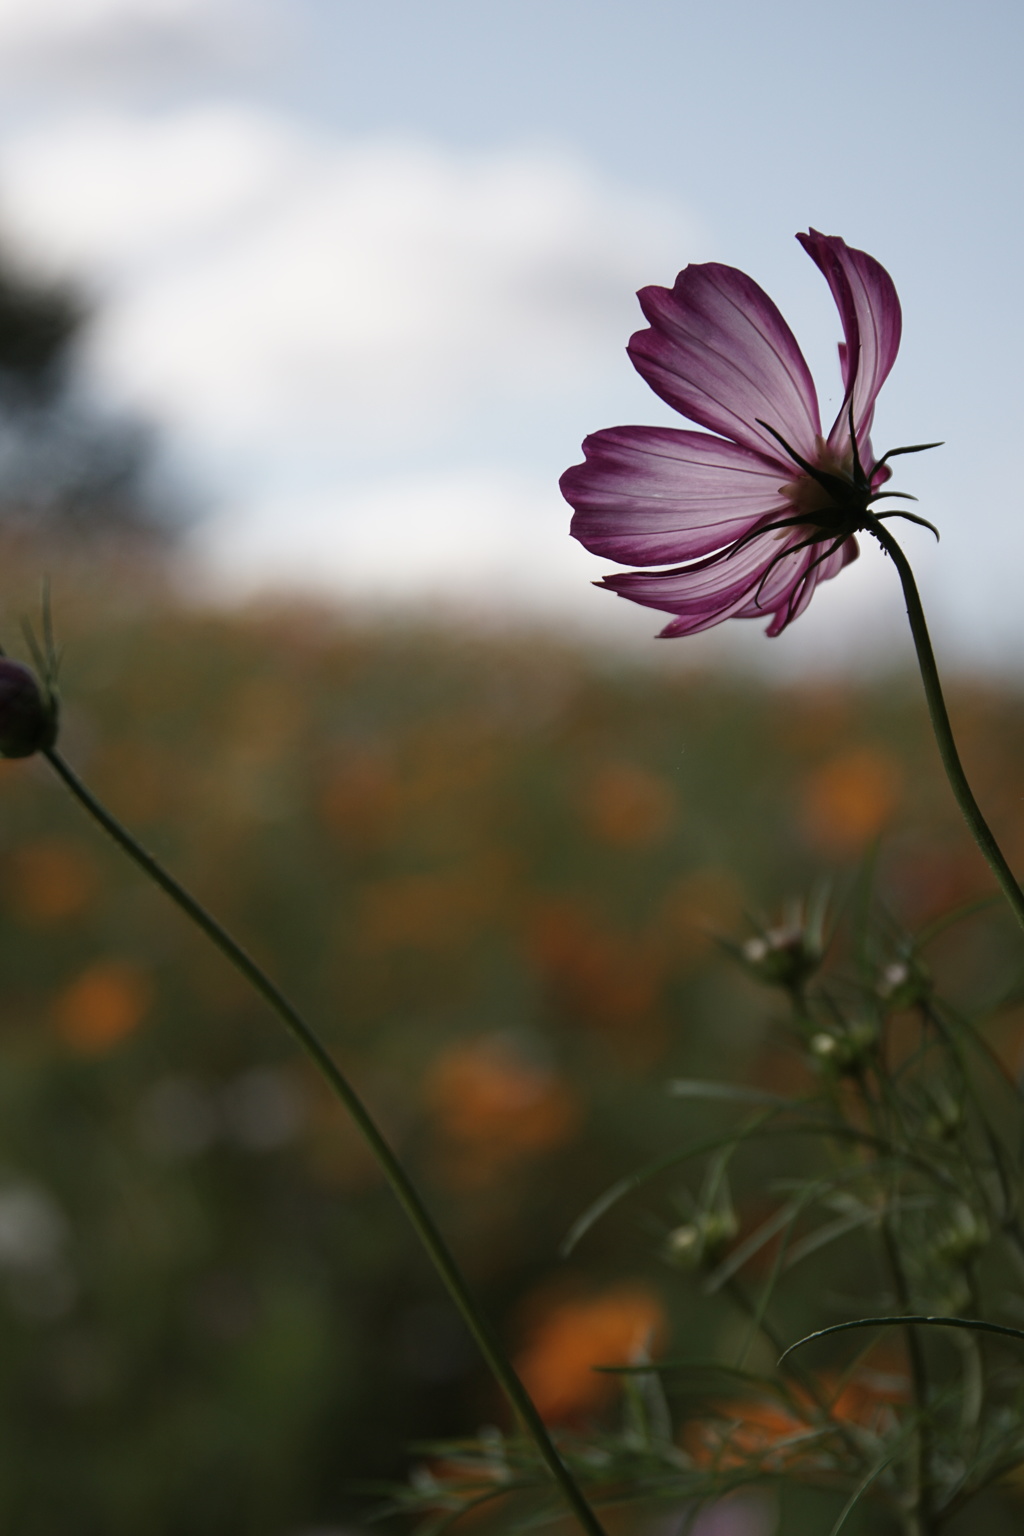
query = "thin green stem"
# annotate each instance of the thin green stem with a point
(881, 1112)
(964, 796)
(920, 1514)
(404, 1189)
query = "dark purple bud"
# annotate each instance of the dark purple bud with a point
(28, 717)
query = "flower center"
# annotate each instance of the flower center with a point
(835, 502)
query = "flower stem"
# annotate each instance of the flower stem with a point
(977, 825)
(404, 1189)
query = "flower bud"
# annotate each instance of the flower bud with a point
(903, 983)
(844, 1050)
(953, 1297)
(783, 957)
(28, 717)
(965, 1237)
(683, 1246)
(946, 1119)
(702, 1240)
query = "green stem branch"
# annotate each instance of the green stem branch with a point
(404, 1189)
(978, 826)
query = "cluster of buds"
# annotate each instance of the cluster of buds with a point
(785, 956)
(28, 712)
(844, 1050)
(699, 1243)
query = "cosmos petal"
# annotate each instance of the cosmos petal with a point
(704, 594)
(869, 308)
(719, 352)
(658, 496)
(791, 604)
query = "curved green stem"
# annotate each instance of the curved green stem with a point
(404, 1189)
(978, 826)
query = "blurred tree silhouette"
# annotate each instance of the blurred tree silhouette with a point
(67, 468)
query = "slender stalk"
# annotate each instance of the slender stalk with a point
(920, 1514)
(978, 826)
(408, 1197)
(881, 1112)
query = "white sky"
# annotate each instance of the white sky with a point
(371, 267)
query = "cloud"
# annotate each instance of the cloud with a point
(259, 278)
(45, 21)
(104, 42)
(379, 353)
(489, 540)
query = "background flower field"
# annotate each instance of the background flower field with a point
(493, 868)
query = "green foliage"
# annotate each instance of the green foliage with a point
(903, 1208)
(494, 872)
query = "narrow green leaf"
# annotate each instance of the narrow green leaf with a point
(862, 1488)
(975, 1324)
(828, 1233)
(625, 1186)
(697, 1088)
(746, 1250)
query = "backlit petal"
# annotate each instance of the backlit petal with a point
(719, 352)
(712, 590)
(657, 496)
(795, 601)
(872, 321)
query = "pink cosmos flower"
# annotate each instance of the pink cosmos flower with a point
(754, 512)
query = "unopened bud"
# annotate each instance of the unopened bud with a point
(702, 1240)
(844, 1050)
(784, 957)
(28, 717)
(953, 1297)
(963, 1239)
(903, 983)
(946, 1119)
(720, 1228)
(684, 1246)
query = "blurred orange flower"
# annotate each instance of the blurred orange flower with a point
(595, 970)
(50, 881)
(849, 800)
(432, 911)
(696, 907)
(627, 806)
(767, 1431)
(361, 800)
(106, 1003)
(571, 1337)
(493, 1106)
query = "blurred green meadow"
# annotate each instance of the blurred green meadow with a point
(492, 870)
